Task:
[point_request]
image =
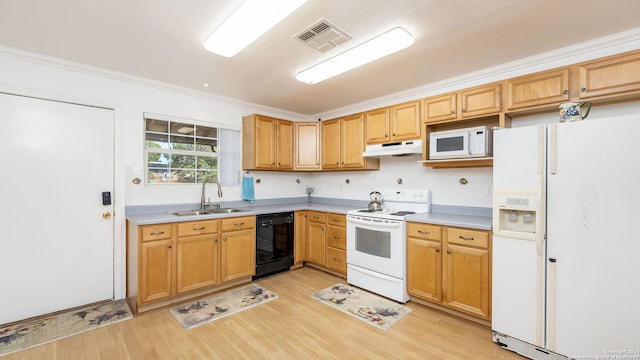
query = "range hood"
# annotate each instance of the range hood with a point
(410, 147)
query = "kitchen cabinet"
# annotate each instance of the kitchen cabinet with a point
(267, 143)
(613, 75)
(343, 144)
(197, 255)
(396, 123)
(316, 240)
(299, 240)
(238, 247)
(307, 146)
(156, 270)
(177, 261)
(336, 256)
(451, 267)
(424, 261)
(465, 104)
(536, 90)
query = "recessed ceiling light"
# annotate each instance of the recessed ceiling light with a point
(380, 46)
(252, 19)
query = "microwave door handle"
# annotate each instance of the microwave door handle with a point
(376, 224)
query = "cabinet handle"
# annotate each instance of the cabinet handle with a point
(239, 224)
(385, 135)
(437, 249)
(170, 246)
(453, 112)
(424, 232)
(336, 220)
(449, 252)
(464, 110)
(224, 238)
(584, 89)
(336, 259)
(394, 134)
(565, 91)
(336, 237)
(198, 228)
(466, 238)
(157, 233)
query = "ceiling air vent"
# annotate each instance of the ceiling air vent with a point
(323, 36)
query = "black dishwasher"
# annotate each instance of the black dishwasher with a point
(274, 243)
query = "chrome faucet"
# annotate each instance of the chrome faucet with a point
(203, 204)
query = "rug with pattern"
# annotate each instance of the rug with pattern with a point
(32, 333)
(372, 309)
(200, 312)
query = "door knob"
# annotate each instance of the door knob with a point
(106, 215)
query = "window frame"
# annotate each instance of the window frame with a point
(218, 155)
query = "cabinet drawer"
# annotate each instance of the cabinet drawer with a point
(468, 237)
(238, 223)
(197, 227)
(424, 231)
(316, 216)
(156, 232)
(336, 219)
(337, 237)
(337, 260)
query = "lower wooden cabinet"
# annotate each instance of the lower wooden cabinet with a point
(326, 240)
(336, 256)
(316, 241)
(171, 261)
(450, 266)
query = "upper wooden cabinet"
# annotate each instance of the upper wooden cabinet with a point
(395, 123)
(267, 143)
(544, 88)
(307, 146)
(464, 104)
(612, 75)
(343, 144)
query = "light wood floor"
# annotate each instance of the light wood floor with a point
(294, 326)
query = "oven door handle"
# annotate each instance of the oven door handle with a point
(394, 224)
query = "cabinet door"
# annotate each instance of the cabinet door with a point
(155, 271)
(377, 126)
(405, 121)
(316, 243)
(331, 144)
(337, 260)
(307, 149)
(284, 145)
(424, 269)
(300, 235)
(440, 108)
(352, 142)
(196, 262)
(612, 75)
(466, 278)
(482, 100)
(264, 147)
(238, 254)
(549, 87)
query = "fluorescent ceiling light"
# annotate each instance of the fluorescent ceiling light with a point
(380, 46)
(252, 19)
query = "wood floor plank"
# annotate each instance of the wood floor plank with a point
(294, 326)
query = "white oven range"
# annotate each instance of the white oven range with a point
(377, 244)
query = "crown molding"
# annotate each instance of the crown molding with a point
(23, 55)
(588, 50)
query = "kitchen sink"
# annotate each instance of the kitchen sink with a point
(206, 211)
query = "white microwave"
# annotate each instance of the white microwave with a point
(461, 143)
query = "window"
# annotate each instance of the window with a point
(178, 151)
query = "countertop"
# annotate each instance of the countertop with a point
(469, 217)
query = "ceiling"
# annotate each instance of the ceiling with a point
(162, 40)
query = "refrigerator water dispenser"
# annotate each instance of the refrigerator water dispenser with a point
(515, 215)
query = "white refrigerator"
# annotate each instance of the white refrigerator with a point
(566, 256)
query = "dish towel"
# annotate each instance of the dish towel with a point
(247, 189)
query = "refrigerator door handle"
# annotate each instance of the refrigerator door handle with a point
(553, 149)
(541, 148)
(551, 305)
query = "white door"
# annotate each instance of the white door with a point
(593, 248)
(56, 248)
